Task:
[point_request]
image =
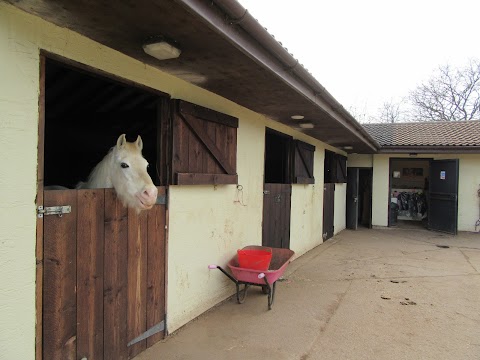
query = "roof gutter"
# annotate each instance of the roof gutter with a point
(228, 14)
(429, 149)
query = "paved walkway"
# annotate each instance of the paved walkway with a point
(366, 294)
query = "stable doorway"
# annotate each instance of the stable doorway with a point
(424, 193)
(277, 190)
(359, 197)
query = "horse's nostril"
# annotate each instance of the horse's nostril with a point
(150, 193)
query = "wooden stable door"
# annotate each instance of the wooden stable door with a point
(103, 276)
(276, 215)
(328, 211)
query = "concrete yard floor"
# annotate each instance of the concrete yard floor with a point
(365, 294)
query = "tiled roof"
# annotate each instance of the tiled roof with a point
(433, 133)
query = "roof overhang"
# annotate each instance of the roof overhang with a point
(429, 150)
(224, 50)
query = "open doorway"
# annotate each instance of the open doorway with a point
(277, 190)
(85, 114)
(409, 186)
(359, 197)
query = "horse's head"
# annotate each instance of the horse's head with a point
(129, 175)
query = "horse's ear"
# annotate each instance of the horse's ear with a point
(121, 141)
(139, 142)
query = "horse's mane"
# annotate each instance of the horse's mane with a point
(100, 175)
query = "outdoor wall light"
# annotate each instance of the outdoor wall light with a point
(161, 49)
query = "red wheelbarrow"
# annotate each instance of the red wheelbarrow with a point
(267, 279)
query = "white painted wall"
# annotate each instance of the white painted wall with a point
(207, 223)
(469, 183)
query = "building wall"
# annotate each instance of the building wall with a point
(340, 219)
(207, 224)
(360, 160)
(469, 184)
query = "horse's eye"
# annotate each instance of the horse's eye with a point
(124, 165)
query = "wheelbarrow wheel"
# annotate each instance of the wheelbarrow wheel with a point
(242, 294)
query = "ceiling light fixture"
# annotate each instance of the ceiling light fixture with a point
(161, 49)
(307, 125)
(297, 117)
(348, 147)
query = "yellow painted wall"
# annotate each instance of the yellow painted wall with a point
(469, 183)
(360, 160)
(340, 220)
(380, 190)
(207, 223)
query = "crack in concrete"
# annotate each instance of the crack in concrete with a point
(468, 260)
(331, 314)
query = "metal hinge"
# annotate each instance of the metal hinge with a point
(152, 331)
(266, 192)
(53, 210)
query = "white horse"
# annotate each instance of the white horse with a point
(125, 169)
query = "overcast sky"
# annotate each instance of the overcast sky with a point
(368, 52)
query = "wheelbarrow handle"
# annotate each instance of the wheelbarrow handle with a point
(211, 267)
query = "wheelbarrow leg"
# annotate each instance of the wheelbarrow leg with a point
(270, 290)
(241, 298)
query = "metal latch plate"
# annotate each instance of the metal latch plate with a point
(53, 210)
(161, 200)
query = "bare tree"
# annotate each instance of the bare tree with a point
(361, 115)
(450, 95)
(391, 112)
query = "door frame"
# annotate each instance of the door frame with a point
(287, 176)
(359, 169)
(325, 233)
(39, 200)
(353, 181)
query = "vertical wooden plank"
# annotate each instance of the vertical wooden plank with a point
(196, 152)
(180, 146)
(164, 136)
(59, 298)
(156, 265)
(90, 247)
(137, 280)
(268, 215)
(221, 142)
(115, 279)
(231, 151)
(209, 163)
(39, 201)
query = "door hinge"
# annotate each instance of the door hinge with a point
(53, 210)
(152, 331)
(266, 192)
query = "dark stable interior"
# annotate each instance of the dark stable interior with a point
(276, 158)
(84, 116)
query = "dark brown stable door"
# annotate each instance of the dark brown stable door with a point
(103, 278)
(328, 210)
(276, 215)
